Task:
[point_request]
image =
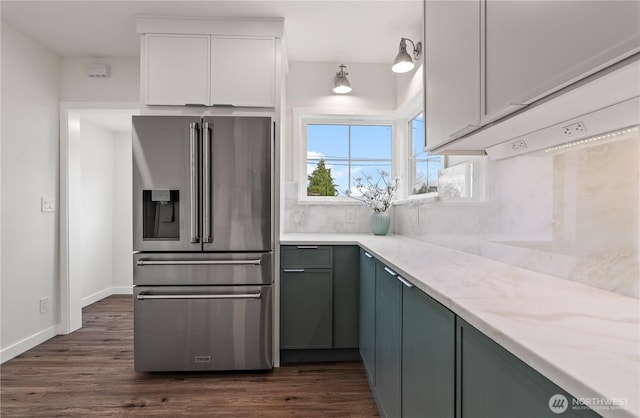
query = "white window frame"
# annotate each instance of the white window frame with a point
(304, 117)
(406, 161)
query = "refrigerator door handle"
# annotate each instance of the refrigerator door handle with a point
(206, 186)
(193, 178)
(143, 262)
(143, 296)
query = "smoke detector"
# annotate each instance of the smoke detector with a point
(97, 70)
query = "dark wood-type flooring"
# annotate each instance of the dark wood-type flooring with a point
(90, 373)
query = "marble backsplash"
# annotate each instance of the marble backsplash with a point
(574, 215)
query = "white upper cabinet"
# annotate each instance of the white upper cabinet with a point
(243, 71)
(485, 59)
(452, 69)
(209, 62)
(177, 70)
(533, 48)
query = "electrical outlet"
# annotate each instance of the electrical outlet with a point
(518, 146)
(350, 216)
(44, 305)
(573, 130)
(415, 217)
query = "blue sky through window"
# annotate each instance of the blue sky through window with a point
(350, 151)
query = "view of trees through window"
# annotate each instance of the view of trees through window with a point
(423, 167)
(337, 154)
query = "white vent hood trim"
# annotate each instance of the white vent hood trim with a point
(604, 102)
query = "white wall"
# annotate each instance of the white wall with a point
(309, 87)
(106, 222)
(122, 84)
(96, 250)
(122, 209)
(29, 165)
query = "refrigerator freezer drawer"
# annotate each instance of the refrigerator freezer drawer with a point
(200, 328)
(202, 268)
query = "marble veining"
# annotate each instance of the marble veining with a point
(574, 215)
(584, 339)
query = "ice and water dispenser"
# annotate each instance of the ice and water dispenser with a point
(161, 214)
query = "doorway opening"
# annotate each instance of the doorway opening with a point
(95, 206)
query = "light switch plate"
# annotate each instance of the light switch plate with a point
(47, 205)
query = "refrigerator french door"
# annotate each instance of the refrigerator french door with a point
(202, 184)
(203, 242)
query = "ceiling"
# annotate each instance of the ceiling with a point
(349, 31)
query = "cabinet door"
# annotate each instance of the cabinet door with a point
(368, 313)
(243, 71)
(346, 294)
(428, 356)
(177, 69)
(306, 309)
(452, 70)
(491, 382)
(388, 342)
(536, 47)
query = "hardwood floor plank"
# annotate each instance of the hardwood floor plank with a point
(90, 373)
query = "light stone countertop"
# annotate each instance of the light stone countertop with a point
(584, 339)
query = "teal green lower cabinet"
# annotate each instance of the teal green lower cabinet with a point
(388, 342)
(428, 356)
(491, 382)
(319, 302)
(306, 309)
(346, 295)
(368, 314)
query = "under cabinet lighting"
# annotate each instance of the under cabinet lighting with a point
(609, 135)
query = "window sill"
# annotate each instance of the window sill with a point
(424, 198)
(335, 201)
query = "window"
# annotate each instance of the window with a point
(423, 167)
(338, 153)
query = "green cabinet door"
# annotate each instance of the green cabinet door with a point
(346, 293)
(428, 356)
(491, 382)
(388, 337)
(368, 313)
(306, 309)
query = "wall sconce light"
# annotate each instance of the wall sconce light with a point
(340, 82)
(403, 61)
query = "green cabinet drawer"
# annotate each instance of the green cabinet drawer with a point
(306, 256)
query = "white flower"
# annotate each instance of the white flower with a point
(376, 195)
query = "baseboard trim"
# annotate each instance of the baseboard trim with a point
(88, 300)
(98, 296)
(27, 344)
(122, 290)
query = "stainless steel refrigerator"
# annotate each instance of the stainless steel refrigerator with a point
(203, 242)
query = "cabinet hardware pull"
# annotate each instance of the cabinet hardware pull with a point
(143, 296)
(368, 255)
(206, 187)
(193, 179)
(143, 262)
(293, 270)
(391, 272)
(405, 281)
(307, 247)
